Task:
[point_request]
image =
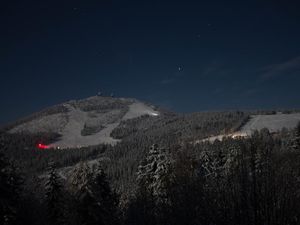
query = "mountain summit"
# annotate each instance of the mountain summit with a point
(85, 122)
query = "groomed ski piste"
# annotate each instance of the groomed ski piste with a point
(71, 123)
(71, 135)
(274, 123)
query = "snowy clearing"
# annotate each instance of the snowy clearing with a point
(274, 123)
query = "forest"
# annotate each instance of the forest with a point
(153, 112)
(155, 177)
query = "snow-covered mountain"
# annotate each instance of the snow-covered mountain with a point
(85, 122)
(108, 120)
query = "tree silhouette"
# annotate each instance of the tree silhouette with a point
(10, 187)
(54, 197)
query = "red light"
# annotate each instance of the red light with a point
(41, 146)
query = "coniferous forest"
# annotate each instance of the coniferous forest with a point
(154, 179)
(158, 112)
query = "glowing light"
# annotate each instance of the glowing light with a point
(42, 146)
(154, 114)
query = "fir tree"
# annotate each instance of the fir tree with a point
(296, 139)
(54, 197)
(153, 176)
(106, 200)
(79, 185)
(155, 172)
(96, 202)
(79, 179)
(10, 185)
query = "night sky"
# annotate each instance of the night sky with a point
(183, 55)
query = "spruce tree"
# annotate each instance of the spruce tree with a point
(96, 202)
(296, 139)
(79, 186)
(79, 178)
(154, 173)
(153, 176)
(106, 200)
(54, 197)
(10, 187)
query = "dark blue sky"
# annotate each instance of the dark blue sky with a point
(184, 55)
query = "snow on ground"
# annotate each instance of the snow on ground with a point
(71, 134)
(96, 124)
(65, 172)
(138, 109)
(274, 123)
(220, 137)
(51, 123)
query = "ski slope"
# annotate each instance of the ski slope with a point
(87, 122)
(274, 123)
(71, 135)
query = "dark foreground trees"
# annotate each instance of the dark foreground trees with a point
(252, 181)
(151, 201)
(244, 181)
(10, 190)
(95, 203)
(54, 198)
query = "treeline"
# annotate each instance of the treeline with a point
(242, 181)
(45, 112)
(22, 149)
(167, 130)
(186, 126)
(101, 104)
(246, 181)
(86, 199)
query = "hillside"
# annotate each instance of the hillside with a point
(107, 120)
(117, 134)
(86, 122)
(274, 123)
